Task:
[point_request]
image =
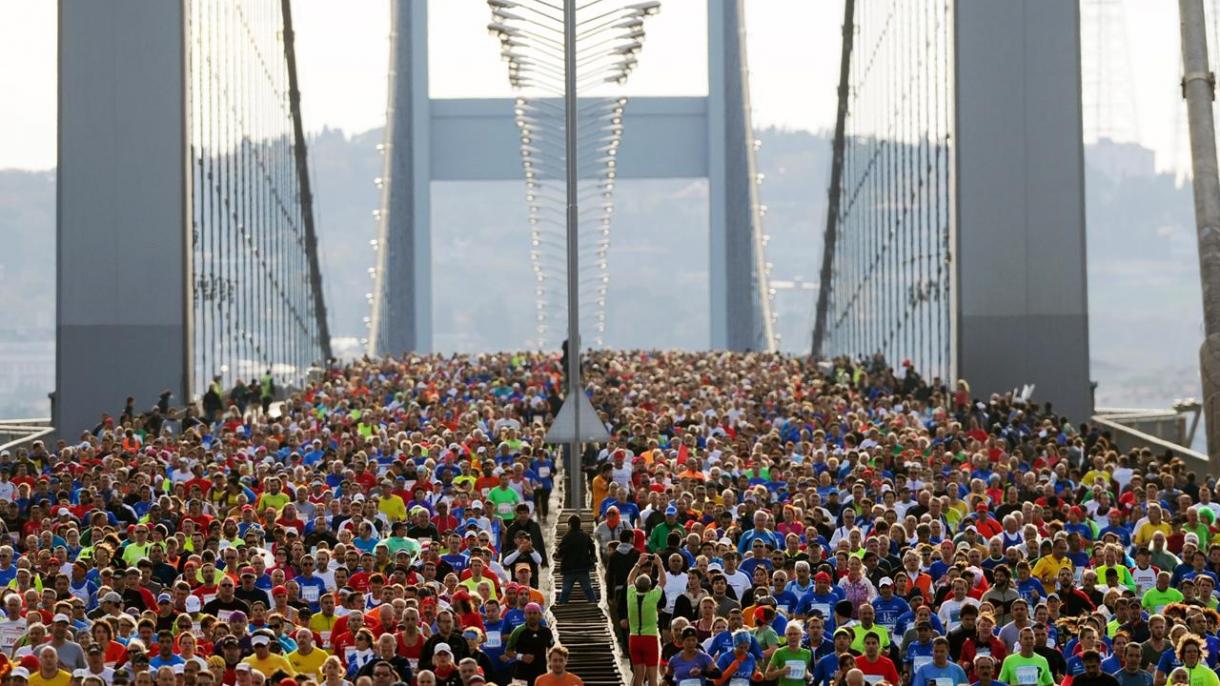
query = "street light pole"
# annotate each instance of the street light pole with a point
(576, 482)
(1198, 88)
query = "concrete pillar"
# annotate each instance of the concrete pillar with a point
(123, 201)
(734, 322)
(1021, 300)
(407, 310)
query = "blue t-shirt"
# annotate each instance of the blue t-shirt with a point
(824, 671)
(682, 667)
(889, 611)
(930, 675)
(744, 670)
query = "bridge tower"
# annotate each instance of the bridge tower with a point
(476, 139)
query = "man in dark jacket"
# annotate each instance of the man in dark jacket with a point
(576, 556)
(523, 522)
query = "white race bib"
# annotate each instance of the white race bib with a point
(873, 678)
(920, 661)
(224, 615)
(309, 594)
(1027, 675)
(824, 608)
(984, 651)
(694, 681)
(208, 597)
(943, 681)
(325, 638)
(739, 681)
(544, 472)
(504, 508)
(493, 639)
(796, 669)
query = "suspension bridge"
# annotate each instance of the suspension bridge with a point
(188, 250)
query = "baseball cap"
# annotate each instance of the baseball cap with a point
(671, 510)
(443, 648)
(94, 648)
(61, 617)
(821, 576)
(19, 673)
(164, 598)
(885, 581)
(260, 640)
(193, 604)
(247, 571)
(112, 597)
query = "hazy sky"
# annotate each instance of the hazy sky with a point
(342, 50)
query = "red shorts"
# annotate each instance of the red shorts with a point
(644, 650)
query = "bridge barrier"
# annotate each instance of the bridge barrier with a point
(1158, 430)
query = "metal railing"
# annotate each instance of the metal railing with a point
(16, 433)
(1158, 430)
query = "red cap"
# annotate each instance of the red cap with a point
(981, 507)
(279, 591)
(822, 576)
(30, 662)
(1114, 512)
(289, 682)
(246, 507)
(247, 570)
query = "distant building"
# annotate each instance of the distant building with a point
(1120, 160)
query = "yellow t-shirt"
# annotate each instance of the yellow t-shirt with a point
(1143, 535)
(274, 663)
(1047, 568)
(308, 664)
(61, 678)
(393, 508)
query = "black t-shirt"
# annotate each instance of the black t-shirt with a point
(1102, 679)
(216, 605)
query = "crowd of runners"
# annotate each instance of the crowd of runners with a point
(760, 519)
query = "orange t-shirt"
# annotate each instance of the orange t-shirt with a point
(565, 679)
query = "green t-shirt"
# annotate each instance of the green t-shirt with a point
(1202, 675)
(1019, 670)
(642, 612)
(798, 665)
(504, 499)
(857, 643)
(1154, 599)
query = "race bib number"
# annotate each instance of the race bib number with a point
(985, 652)
(920, 661)
(874, 678)
(942, 681)
(208, 597)
(796, 669)
(822, 608)
(1027, 676)
(504, 508)
(224, 615)
(544, 472)
(493, 639)
(309, 594)
(9, 638)
(325, 637)
(694, 681)
(739, 681)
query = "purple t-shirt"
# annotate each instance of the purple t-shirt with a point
(682, 666)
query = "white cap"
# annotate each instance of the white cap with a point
(80, 673)
(260, 640)
(476, 504)
(243, 667)
(885, 581)
(61, 617)
(443, 648)
(193, 604)
(19, 673)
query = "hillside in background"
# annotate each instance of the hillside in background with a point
(1145, 318)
